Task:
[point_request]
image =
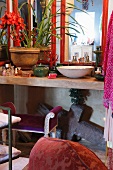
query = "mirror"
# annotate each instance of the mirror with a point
(82, 45)
(38, 6)
(2, 7)
(103, 9)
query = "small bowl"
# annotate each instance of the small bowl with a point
(99, 77)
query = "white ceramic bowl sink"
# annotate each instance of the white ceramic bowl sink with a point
(75, 71)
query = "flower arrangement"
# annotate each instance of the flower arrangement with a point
(39, 36)
(16, 23)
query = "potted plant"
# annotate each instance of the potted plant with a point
(25, 56)
(40, 37)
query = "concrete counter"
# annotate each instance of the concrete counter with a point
(81, 83)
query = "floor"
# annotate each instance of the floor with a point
(101, 153)
(17, 164)
(26, 147)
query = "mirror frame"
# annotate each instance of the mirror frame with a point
(104, 25)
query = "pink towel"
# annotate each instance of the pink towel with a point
(108, 66)
(108, 83)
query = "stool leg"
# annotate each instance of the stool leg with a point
(53, 133)
(4, 136)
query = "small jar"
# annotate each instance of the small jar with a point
(12, 71)
(8, 69)
(7, 65)
(16, 72)
(3, 71)
(40, 70)
(19, 71)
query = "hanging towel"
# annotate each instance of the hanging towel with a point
(108, 91)
(108, 66)
(108, 83)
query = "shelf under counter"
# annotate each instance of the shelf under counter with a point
(62, 82)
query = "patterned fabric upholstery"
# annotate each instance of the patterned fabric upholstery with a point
(35, 122)
(11, 106)
(57, 154)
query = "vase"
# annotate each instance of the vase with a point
(40, 70)
(25, 58)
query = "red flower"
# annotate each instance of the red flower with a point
(16, 23)
(1, 26)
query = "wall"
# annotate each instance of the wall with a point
(97, 8)
(60, 96)
(28, 98)
(6, 93)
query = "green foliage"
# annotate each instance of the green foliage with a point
(77, 96)
(45, 28)
(40, 36)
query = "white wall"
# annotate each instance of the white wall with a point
(60, 96)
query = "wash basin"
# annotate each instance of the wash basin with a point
(75, 71)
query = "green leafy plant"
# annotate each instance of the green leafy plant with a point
(40, 36)
(77, 96)
(45, 28)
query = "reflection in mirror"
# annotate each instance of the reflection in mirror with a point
(2, 7)
(24, 10)
(38, 7)
(83, 44)
(2, 32)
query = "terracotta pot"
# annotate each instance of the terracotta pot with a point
(25, 58)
